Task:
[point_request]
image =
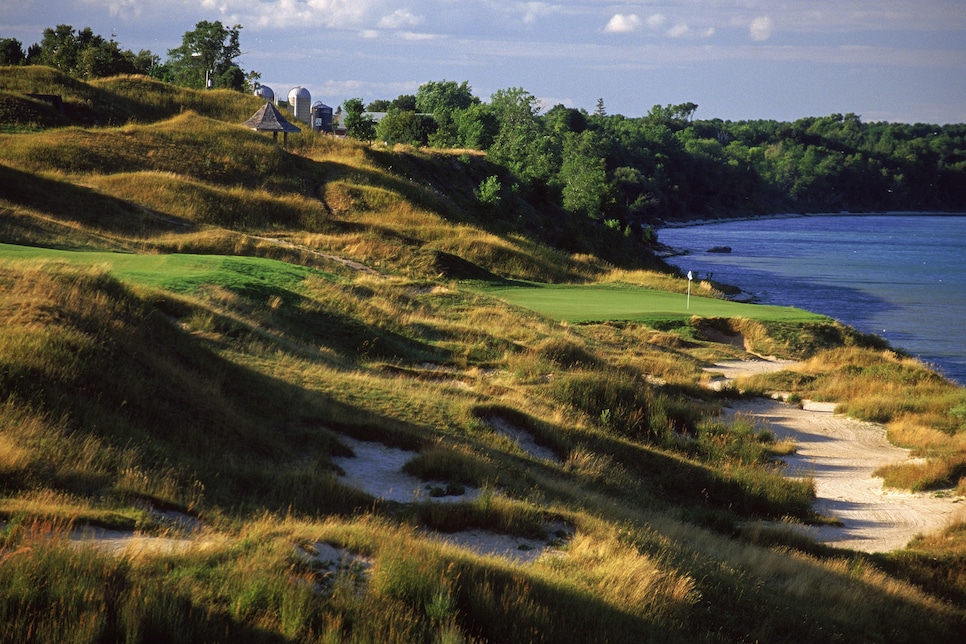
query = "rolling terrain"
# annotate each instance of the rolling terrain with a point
(202, 334)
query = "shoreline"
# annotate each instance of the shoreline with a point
(792, 215)
(948, 364)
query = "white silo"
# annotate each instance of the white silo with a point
(301, 102)
(265, 92)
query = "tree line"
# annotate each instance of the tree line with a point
(669, 165)
(624, 171)
(207, 56)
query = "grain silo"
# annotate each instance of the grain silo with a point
(265, 92)
(301, 103)
(322, 117)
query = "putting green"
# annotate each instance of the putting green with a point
(601, 302)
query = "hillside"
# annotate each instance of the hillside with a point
(203, 334)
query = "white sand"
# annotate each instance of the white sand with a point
(376, 469)
(840, 454)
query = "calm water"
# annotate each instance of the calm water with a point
(900, 277)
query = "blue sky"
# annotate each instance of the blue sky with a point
(885, 60)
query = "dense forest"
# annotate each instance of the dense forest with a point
(670, 165)
(629, 173)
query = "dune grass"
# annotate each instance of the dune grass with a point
(213, 368)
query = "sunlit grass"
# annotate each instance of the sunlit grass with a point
(212, 370)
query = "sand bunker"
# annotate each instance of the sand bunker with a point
(517, 549)
(376, 469)
(522, 438)
(724, 373)
(840, 454)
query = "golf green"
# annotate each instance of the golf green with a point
(600, 302)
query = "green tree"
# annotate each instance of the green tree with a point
(476, 127)
(445, 100)
(521, 144)
(488, 192)
(560, 119)
(600, 110)
(379, 105)
(358, 124)
(674, 116)
(84, 54)
(207, 56)
(583, 175)
(11, 52)
(405, 126)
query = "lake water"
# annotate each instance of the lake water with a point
(902, 277)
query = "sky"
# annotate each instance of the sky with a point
(884, 60)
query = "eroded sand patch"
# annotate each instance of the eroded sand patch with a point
(376, 469)
(840, 454)
(522, 438)
(725, 372)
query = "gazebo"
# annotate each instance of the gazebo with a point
(269, 119)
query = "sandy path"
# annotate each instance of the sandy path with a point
(841, 453)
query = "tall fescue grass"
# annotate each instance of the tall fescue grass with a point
(193, 201)
(189, 144)
(222, 390)
(123, 99)
(630, 584)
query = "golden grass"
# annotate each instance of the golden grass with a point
(624, 576)
(243, 395)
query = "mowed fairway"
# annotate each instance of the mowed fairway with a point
(601, 302)
(177, 272)
(571, 303)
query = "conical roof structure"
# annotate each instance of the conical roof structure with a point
(269, 119)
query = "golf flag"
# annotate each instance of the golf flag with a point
(690, 277)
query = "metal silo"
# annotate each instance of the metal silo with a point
(322, 117)
(265, 92)
(301, 102)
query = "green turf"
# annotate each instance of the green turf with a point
(599, 302)
(571, 303)
(177, 272)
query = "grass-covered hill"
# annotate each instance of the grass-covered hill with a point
(195, 326)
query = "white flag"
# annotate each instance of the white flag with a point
(690, 277)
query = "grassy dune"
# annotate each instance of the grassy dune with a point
(193, 322)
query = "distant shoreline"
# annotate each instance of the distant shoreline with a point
(790, 215)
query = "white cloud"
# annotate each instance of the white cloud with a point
(657, 21)
(410, 35)
(534, 10)
(398, 19)
(279, 14)
(622, 24)
(679, 31)
(760, 28)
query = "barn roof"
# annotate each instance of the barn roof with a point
(269, 119)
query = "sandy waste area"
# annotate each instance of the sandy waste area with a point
(840, 454)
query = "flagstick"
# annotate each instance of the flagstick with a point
(690, 277)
